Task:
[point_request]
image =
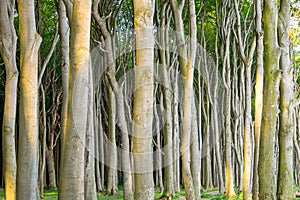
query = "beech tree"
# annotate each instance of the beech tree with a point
(267, 162)
(73, 165)
(258, 95)
(30, 40)
(286, 130)
(154, 108)
(143, 100)
(8, 44)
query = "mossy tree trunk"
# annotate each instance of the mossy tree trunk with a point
(286, 131)
(267, 161)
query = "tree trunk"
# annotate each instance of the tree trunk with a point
(195, 153)
(258, 96)
(27, 174)
(89, 176)
(187, 173)
(176, 133)
(8, 42)
(64, 52)
(112, 187)
(51, 169)
(143, 100)
(228, 134)
(158, 152)
(72, 176)
(267, 162)
(285, 178)
(164, 71)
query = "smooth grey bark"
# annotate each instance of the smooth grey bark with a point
(177, 8)
(158, 152)
(8, 42)
(143, 100)
(247, 58)
(64, 52)
(216, 120)
(119, 100)
(226, 33)
(188, 159)
(30, 40)
(164, 72)
(258, 95)
(286, 132)
(72, 176)
(89, 170)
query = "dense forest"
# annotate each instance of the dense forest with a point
(150, 99)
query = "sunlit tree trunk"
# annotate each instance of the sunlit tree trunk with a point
(143, 100)
(188, 136)
(258, 95)
(27, 174)
(247, 58)
(72, 184)
(285, 178)
(267, 162)
(8, 42)
(229, 179)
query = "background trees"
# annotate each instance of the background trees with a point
(163, 75)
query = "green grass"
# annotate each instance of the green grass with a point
(52, 195)
(205, 194)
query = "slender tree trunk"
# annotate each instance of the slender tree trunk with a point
(43, 145)
(176, 132)
(267, 162)
(179, 30)
(195, 152)
(248, 147)
(121, 122)
(72, 176)
(51, 169)
(64, 52)
(164, 71)
(112, 187)
(228, 134)
(216, 122)
(128, 193)
(89, 177)
(27, 174)
(159, 152)
(8, 42)
(143, 100)
(187, 173)
(258, 96)
(285, 178)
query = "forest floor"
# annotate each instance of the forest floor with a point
(205, 194)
